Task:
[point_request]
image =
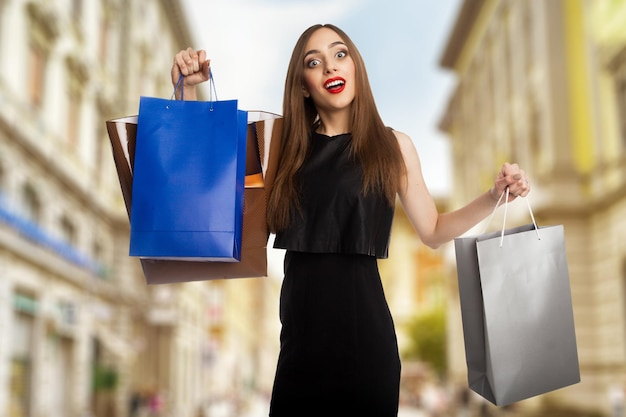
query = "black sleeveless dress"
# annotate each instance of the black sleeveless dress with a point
(339, 354)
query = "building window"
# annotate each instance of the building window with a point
(4, 188)
(76, 75)
(3, 178)
(68, 230)
(623, 290)
(97, 250)
(73, 117)
(31, 203)
(618, 68)
(20, 368)
(100, 151)
(58, 350)
(105, 29)
(529, 36)
(621, 104)
(36, 67)
(77, 10)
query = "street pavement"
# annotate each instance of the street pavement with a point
(411, 412)
(260, 409)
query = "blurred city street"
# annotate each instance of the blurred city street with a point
(260, 409)
(87, 330)
(411, 412)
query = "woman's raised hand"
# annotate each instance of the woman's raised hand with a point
(514, 178)
(194, 66)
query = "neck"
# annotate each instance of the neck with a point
(334, 123)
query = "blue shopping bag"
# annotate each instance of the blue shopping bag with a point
(188, 180)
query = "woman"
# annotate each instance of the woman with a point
(331, 208)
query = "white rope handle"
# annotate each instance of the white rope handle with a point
(493, 213)
(506, 206)
(533, 218)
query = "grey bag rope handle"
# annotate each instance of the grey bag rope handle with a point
(506, 206)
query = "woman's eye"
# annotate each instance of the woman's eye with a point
(342, 54)
(313, 63)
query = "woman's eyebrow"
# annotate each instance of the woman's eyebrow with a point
(315, 51)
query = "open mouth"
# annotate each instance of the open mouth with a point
(335, 85)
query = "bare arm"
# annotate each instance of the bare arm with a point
(435, 229)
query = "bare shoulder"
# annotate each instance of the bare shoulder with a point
(401, 136)
(407, 147)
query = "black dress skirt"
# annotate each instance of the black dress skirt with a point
(339, 354)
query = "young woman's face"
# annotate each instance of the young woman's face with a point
(329, 71)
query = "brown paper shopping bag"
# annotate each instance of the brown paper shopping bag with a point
(264, 135)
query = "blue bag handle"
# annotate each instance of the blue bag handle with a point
(181, 85)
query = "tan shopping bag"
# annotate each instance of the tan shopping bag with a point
(264, 136)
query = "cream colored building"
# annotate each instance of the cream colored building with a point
(414, 276)
(543, 83)
(73, 305)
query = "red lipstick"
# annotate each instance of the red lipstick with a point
(335, 85)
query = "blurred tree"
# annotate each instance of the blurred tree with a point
(105, 378)
(427, 339)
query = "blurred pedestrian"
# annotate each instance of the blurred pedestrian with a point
(155, 404)
(434, 400)
(616, 399)
(134, 404)
(464, 402)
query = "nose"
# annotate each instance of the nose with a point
(330, 67)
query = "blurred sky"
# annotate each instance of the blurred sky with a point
(249, 43)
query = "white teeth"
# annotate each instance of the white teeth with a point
(335, 83)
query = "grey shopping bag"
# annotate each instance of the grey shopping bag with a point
(517, 314)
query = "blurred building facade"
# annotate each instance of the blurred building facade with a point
(543, 83)
(414, 276)
(80, 331)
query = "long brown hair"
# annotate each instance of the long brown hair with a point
(373, 144)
